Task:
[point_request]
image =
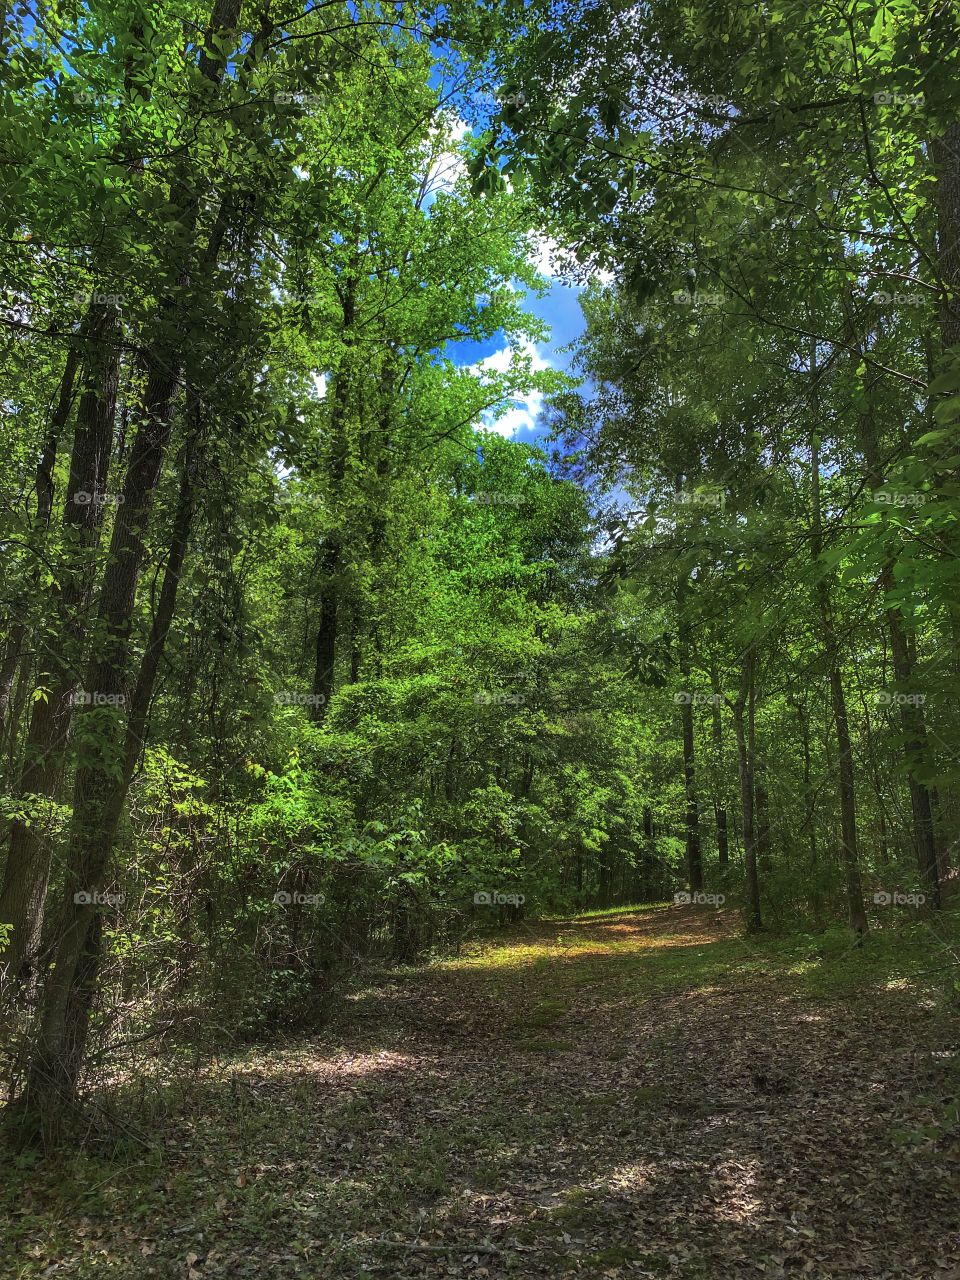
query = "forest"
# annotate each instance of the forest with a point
(480, 639)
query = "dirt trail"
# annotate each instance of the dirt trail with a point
(639, 1096)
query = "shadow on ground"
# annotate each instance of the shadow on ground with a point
(644, 1094)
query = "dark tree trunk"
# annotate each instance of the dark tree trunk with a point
(719, 808)
(945, 152)
(849, 850)
(167, 603)
(692, 817)
(328, 601)
(647, 857)
(325, 654)
(17, 634)
(912, 720)
(915, 749)
(27, 873)
(744, 717)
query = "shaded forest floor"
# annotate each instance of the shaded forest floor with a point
(640, 1093)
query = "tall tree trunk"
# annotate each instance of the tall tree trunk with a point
(17, 634)
(692, 817)
(912, 720)
(744, 719)
(328, 602)
(762, 818)
(849, 851)
(99, 787)
(29, 862)
(915, 749)
(647, 857)
(325, 652)
(719, 807)
(945, 153)
(167, 603)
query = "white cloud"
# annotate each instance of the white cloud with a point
(526, 408)
(521, 417)
(544, 250)
(546, 254)
(448, 166)
(499, 361)
(320, 382)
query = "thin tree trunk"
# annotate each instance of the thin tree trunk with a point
(762, 818)
(719, 807)
(849, 851)
(912, 720)
(744, 716)
(692, 817)
(915, 749)
(328, 610)
(166, 605)
(325, 652)
(647, 857)
(945, 152)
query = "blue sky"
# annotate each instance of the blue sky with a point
(560, 308)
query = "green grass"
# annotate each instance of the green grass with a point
(827, 964)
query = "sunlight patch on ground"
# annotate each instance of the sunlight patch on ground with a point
(337, 1065)
(600, 940)
(629, 1177)
(739, 1204)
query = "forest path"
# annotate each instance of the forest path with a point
(642, 1094)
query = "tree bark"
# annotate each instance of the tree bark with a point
(17, 634)
(99, 787)
(29, 861)
(167, 603)
(849, 850)
(744, 717)
(719, 807)
(692, 817)
(912, 720)
(945, 153)
(328, 602)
